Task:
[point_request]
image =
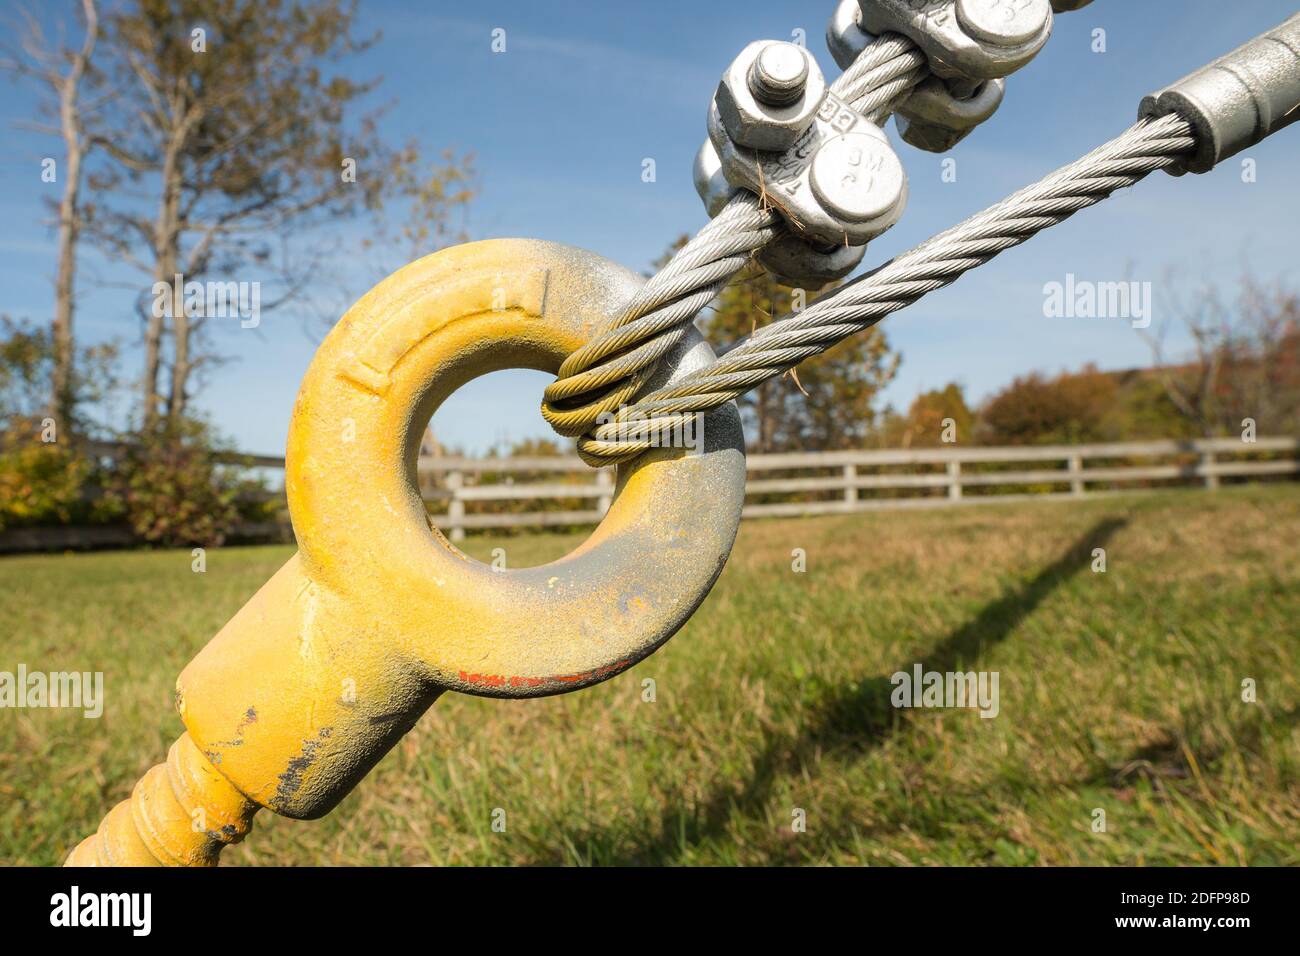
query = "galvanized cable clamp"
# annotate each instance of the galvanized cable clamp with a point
(609, 372)
(840, 183)
(969, 44)
(965, 40)
(1222, 108)
(776, 130)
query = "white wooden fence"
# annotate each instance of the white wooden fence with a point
(862, 480)
(484, 493)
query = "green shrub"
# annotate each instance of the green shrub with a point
(171, 488)
(42, 483)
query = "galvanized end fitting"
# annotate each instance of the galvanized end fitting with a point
(1237, 100)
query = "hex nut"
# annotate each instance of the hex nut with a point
(928, 136)
(857, 177)
(758, 125)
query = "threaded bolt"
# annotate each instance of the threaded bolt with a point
(779, 74)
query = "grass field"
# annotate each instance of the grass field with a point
(1119, 691)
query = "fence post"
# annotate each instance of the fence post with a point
(605, 481)
(456, 505)
(1207, 463)
(954, 480)
(423, 479)
(850, 491)
(1076, 474)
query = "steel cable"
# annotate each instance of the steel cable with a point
(1125, 160)
(882, 76)
(601, 378)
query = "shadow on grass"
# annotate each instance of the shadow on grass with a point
(855, 718)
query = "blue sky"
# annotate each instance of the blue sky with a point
(562, 121)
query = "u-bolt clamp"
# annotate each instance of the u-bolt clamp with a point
(341, 652)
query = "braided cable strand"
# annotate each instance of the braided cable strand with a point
(611, 370)
(882, 76)
(1124, 161)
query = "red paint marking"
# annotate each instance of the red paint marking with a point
(514, 680)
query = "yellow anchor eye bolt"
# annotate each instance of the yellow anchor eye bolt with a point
(378, 614)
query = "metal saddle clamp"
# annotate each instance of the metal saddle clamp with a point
(767, 98)
(839, 184)
(790, 259)
(965, 40)
(710, 183)
(775, 130)
(934, 119)
(378, 614)
(798, 263)
(834, 177)
(845, 37)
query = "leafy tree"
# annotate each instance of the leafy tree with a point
(45, 481)
(1034, 409)
(28, 365)
(426, 209)
(233, 134)
(924, 423)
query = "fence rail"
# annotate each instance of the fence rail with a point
(460, 490)
(455, 480)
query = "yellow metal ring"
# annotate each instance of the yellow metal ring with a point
(339, 654)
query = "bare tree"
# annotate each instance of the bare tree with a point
(1244, 358)
(233, 137)
(425, 207)
(63, 70)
